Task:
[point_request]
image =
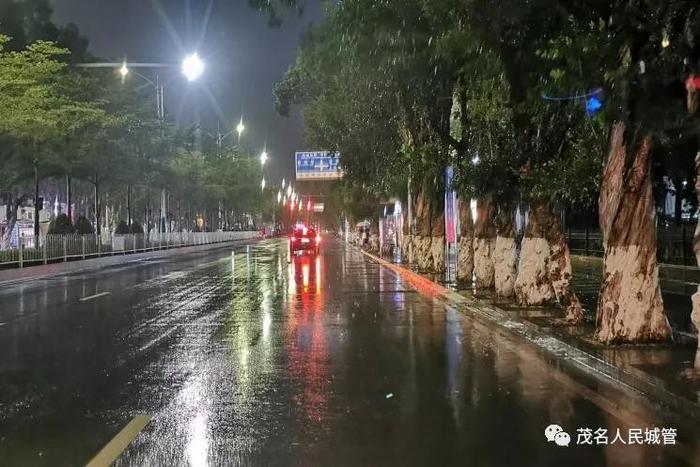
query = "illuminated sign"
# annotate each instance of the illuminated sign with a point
(318, 165)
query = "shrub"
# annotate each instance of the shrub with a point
(61, 225)
(124, 229)
(83, 226)
(136, 228)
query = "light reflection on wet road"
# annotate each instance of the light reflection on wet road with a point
(244, 358)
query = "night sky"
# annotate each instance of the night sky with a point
(244, 58)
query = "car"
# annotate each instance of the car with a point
(304, 240)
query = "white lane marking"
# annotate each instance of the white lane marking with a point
(91, 297)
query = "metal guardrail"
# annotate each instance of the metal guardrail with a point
(55, 248)
(674, 244)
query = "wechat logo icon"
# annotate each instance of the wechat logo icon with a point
(556, 434)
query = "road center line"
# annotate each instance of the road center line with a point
(109, 454)
(85, 299)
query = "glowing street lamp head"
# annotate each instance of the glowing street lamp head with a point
(284, 182)
(240, 128)
(263, 158)
(262, 184)
(192, 67)
(124, 70)
(289, 190)
(279, 196)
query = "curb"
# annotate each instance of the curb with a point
(648, 386)
(92, 264)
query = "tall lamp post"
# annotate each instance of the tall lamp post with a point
(192, 68)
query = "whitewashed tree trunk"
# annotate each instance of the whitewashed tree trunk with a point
(630, 307)
(560, 272)
(504, 261)
(695, 314)
(423, 239)
(405, 238)
(693, 107)
(465, 259)
(504, 254)
(533, 286)
(422, 252)
(465, 254)
(374, 243)
(484, 271)
(437, 252)
(405, 242)
(484, 239)
(437, 241)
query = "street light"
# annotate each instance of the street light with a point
(263, 158)
(240, 128)
(192, 67)
(124, 70)
(283, 183)
(289, 191)
(262, 184)
(279, 196)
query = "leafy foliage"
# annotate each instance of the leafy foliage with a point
(61, 225)
(83, 226)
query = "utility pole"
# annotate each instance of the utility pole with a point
(410, 219)
(160, 109)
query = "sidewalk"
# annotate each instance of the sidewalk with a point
(665, 375)
(16, 275)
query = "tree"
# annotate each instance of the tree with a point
(33, 106)
(646, 90)
(28, 21)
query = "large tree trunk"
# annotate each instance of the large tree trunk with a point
(374, 237)
(465, 254)
(69, 197)
(560, 271)
(533, 286)
(128, 205)
(504, 254)
(422, 240)
(695, 314)
(484, 239)
(437, 241)
(11, 210)
(693, 103)
(98, 226)
(405, 238)
(36, 202)
(630, 307)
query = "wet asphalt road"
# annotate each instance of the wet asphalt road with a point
(245, 359)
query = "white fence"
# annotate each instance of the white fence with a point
(53, 248)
